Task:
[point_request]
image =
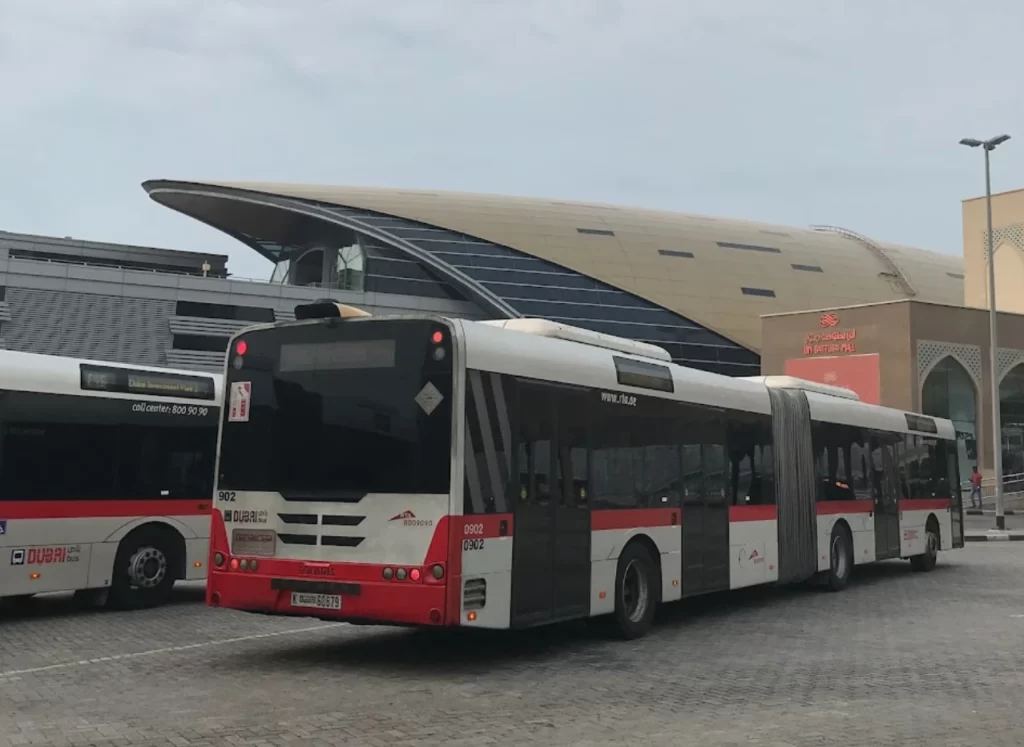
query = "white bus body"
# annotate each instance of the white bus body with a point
(430, 471)
(106, 475)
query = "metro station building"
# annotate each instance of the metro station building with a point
(922, 355)
(699, 286)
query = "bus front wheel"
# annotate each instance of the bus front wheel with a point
(636, 594)
(144, 570)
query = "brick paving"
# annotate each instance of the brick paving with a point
(898, 658)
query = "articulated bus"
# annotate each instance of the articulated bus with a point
(106, 478)
(425, 471)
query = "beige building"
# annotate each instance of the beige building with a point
(696, 285)
(1008, 240)
(925, 356)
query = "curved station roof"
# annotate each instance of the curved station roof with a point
(717, 275)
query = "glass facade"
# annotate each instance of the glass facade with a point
(949, 393)
(535, 288)
(1011, 414)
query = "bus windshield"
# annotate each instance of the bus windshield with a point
(322, 410)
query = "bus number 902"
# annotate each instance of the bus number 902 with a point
(473, 529)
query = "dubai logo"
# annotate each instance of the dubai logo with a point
(830, 378)
(830, 319)
(403, 515)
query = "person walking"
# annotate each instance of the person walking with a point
(975, 488)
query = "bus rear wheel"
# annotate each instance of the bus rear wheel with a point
(927, 560)
(144, 571)
(636, 594)
(840, 552)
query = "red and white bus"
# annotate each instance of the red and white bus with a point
(441, 472)
(106, 477)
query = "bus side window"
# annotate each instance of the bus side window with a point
(573, 432)
(489, 485)
(536, 438)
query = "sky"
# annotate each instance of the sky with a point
(795, 112)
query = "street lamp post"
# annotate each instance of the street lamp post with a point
(993, 344)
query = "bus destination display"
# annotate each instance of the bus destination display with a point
(148, 383)
(337, 356)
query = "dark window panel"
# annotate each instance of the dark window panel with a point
(749, 247)
(408, 287)
(503, 275)
(675, 253)
(224, 311)
(758, 292)
(105, 449)
(807, 268)
(3, 292)
(444, 243)
(122, 264)
(200, 342)
(595, 231)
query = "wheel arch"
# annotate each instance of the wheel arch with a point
(168, 531)
(844, 525)
(651, 548)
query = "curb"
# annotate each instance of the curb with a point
(995, 536)
(987, 511)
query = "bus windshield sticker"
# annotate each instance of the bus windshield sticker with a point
(241, 396)
(429, 398)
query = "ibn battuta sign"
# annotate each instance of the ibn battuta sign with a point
(830, 341)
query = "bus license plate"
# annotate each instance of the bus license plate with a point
(316, 601)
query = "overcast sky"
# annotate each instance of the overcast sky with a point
(790, 111)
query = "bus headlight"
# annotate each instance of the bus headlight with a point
(438, 571)
(218, 559)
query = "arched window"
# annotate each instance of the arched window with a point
(949, 392)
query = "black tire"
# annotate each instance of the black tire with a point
(636, 593)
(927, 560)
(144, 571)
(840, 553)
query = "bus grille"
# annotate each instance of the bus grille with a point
(474, 593)
(317, 521)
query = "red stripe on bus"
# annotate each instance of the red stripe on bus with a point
(828, 508)
(101, 509)
(925, 504)
(630, 518)
(753, 513)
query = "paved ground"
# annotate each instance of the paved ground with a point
(898, 658)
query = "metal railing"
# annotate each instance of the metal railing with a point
(1013, 492)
